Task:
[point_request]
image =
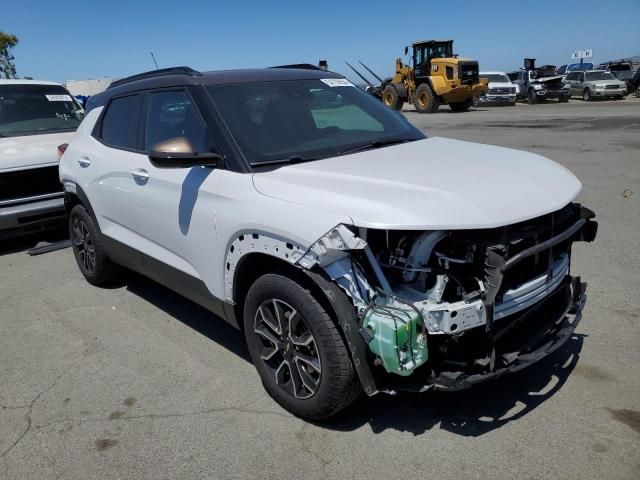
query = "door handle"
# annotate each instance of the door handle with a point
(84, 162)
(140, 175)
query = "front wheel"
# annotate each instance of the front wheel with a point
(297, 349)
(532, 97)
(586, 95)
(391, 98)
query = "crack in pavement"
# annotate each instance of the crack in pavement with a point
(27, 418)
(209, 411)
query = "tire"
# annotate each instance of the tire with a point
(305, 366)
(461, 106)
(586, 95)
(391, 98)
(532, 97)
(476, 101)
(88, 249)
(425, 100)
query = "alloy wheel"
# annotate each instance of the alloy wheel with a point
(83, 244)
(289, 350)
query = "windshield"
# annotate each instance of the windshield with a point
(591, 76)
(306, 119)
(495, 77)
(27, 109)
(620, 67)
(576, 67)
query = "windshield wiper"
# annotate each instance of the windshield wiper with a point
(376, 144)
(290, 159)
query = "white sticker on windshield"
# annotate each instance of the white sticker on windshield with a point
(58, 98)
(337, 82)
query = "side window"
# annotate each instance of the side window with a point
(570, 76)
(172, 114)
(121, 122)
(449, 73)
(581, 77)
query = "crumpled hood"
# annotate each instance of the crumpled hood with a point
(557, 78)
(31, 150)
(436, 183)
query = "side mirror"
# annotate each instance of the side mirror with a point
(179, 152)
(406, 50)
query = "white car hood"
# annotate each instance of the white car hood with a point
(31, 150)
(500, 85)
(430, 184)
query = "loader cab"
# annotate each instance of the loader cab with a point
(424, 52)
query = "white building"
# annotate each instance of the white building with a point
(88, 87)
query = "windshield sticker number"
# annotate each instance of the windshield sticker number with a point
(58, 98)
(337, 82)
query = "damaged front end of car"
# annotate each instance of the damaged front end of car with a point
(447, 309)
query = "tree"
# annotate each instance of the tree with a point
(7, 64)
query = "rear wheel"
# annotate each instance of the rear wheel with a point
(425, 100)
(297, 349)
(461, 106)
(476, 101)
(586, 95)
(391, 98)
(86, 243)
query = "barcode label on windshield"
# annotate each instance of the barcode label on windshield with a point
(337, 82)
(58, 98)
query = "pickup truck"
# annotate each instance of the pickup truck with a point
(35, 118)
(540, 84)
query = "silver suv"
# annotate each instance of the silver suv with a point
(595, 84)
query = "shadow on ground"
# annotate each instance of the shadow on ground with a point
(25, 242)
(472, 412)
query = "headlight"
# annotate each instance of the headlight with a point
(566, 85)
(537, 86)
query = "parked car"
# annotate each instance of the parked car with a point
(635, 83)
(622, 71)
(595, 84)
(354, 253)
(35, 117)
(501, 90)
(540, 84)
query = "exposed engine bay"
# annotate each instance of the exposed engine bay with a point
(445, 309)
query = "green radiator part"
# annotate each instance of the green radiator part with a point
(398, 341)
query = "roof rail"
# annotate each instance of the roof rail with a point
(301, 66)
(156, 73)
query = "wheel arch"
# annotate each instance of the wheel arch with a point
(252, 266)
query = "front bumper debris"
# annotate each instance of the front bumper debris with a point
(550, 333)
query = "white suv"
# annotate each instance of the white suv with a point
(35, 117)
(354, 252)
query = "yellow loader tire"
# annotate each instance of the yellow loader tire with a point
(425, 100)
(391, 98)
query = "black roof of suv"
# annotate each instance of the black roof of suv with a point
(180, 76)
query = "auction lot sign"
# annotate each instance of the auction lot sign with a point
(579, 54)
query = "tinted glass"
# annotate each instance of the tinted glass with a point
(495, 77)
(591, 76)
(308, 119)
(170, 115)
(121, 122)
(28, 109)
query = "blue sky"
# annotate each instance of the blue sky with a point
(62, 40)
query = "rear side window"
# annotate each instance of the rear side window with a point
(121, 122)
